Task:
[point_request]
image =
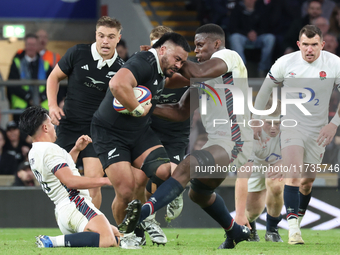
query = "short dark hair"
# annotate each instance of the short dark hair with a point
(107, 21)
(122, 43)
(175, 38)
(310, 31)
(31, 119)
(30, 35)
(212, 29)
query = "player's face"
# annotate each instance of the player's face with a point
(172, 60)
(310, 47)
(272, 128)
(106, 41)
(204, 47)
(50, 129)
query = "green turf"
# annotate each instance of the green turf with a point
(180, 241)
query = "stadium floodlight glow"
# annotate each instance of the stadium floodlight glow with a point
(16, 31)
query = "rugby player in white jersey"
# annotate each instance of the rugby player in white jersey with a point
(302, 146)
(227, 144)
(265, 185)
(81, 223)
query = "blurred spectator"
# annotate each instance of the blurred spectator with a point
(8, 163)
(49, 56)
(321, 23)
(331, 43)
(326, 5)
(249, 29)
(24, 175)
(334, 22)
(26, 66)
(16, 145)
(314, 11)
(122, 50)
(4, 105)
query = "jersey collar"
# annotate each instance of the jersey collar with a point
(96, 56)
(153, 51)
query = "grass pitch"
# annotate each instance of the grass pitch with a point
(180, 241)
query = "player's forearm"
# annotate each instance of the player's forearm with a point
(263, 95)
(241, 193)
(124, 94)
(74, 152)
(52, 88)
(171, 112)
(80, 182)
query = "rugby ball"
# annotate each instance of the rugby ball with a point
(142, 94)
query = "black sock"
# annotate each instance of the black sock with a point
(272, 222)
(219, 212)
(164, 194)
(291, 199)
(304, 202)
(253, 225)
(82, 239)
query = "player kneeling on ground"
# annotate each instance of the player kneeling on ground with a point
(81, 223)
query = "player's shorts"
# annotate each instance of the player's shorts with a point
(68, 134)
(238, 152)
(113, 146)
(256, 182)
(313, 153)
(175, 151)
(72, 218)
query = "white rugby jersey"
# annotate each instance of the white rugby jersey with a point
(267, 150)
(318, 77)
(45, 159)
(221, 106)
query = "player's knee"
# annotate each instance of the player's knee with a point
(306, 186)
(157, 161)
(125, 193)
(275, 187)
(153, 184)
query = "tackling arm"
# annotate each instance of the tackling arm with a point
(52, 88)
(180, 111)
(209, 69)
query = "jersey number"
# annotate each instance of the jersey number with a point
(44, 185)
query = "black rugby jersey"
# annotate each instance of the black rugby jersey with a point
(143, 66)
(87, 85)
(170, 130)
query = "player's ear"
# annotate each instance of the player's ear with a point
(217, 44)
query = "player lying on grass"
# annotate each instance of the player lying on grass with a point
(264, 187)
(81, 223)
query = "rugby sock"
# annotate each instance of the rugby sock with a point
(219, 212)
(272, 222)
(304, 202)
(253, 225)
(291, 199)
(82, 239)
(164, 194)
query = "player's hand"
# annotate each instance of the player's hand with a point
(55, 113)
(242, 220)
(275, 175)
(326, 134)
(82, 142)
(144, 47)
(147, 108)
(107, 181)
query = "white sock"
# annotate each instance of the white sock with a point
(150, 217)
(299, 221)
(293, 226)
(58, 241)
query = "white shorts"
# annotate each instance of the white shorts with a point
(256, 182)
(313, 153)
(238, 154)
(73, 219)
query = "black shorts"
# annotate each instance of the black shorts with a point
(175, 150)
(112, 145)
(68, 134)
